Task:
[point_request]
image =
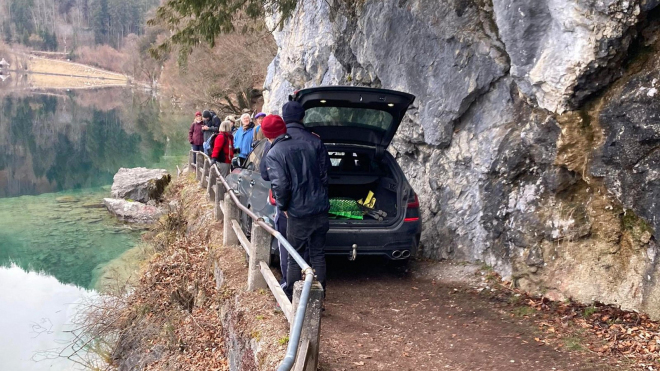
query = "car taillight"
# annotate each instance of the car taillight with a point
(271, 200)
(413, 202)
(412, 211)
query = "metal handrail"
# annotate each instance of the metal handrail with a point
(308, 272)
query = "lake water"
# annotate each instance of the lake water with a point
(58, 155)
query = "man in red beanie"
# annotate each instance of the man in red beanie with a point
(292, 165)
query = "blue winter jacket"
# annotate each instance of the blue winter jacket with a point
(243, 140)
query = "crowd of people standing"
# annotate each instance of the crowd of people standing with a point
(224, 140)
(296, 163)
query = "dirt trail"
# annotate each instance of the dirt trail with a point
(378, 319)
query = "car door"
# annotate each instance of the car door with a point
(254, 189)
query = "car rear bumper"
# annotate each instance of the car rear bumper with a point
(389, 242)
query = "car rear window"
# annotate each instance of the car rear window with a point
(351, 162)
(348, 116)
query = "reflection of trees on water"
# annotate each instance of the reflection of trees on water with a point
(53, 143)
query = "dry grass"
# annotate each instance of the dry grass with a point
(174, 317)
(55, 74)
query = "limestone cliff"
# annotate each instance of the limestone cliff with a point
(533, 142)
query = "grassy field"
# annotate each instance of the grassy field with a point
(56, 74)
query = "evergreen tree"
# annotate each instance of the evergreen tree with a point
(101, 23)
(21, 17)
(196, 21)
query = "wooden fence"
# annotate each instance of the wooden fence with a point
(304, 354)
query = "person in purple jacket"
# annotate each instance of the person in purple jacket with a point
(196, 134)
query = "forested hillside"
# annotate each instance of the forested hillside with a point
(115, 35)
(64, 25)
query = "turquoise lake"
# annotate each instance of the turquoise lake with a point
(58, 155)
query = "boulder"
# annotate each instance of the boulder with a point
(134, 212)
(140, 184)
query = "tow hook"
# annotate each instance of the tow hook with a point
(353, 253)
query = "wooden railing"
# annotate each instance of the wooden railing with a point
(304, 314)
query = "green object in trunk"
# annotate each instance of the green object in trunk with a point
(345, 208)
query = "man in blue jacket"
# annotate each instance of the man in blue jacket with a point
(301, 194)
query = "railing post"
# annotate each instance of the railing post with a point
(260, 239)
(229, 237)
(191, 157)
(210, 187)
(219, 198)
(200, 166)
(205, 172)
(308, 359)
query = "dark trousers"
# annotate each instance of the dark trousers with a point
(280, 225)
(307, 234)
(199, 148)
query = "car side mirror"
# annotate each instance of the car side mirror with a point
(235, 163)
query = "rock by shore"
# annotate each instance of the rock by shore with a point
(135, 193)
(140, 184)
(134, 212)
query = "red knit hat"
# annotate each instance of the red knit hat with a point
(273, 126)
(198, 113)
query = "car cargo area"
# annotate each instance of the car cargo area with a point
(355, 176)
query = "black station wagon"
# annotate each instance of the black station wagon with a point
(357, 125)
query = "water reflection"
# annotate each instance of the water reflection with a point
(66, 234)
(36, 314)
(58, 155)
(55, 142)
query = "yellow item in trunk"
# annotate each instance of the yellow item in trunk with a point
(369, 202)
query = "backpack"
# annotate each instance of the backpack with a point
(208, 145)
(222, 156)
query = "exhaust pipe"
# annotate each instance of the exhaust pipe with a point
(396, 254)
(405, 254)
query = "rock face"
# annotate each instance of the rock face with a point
(629, 157)
(534, 140)
(133, 212)
(140, 184)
